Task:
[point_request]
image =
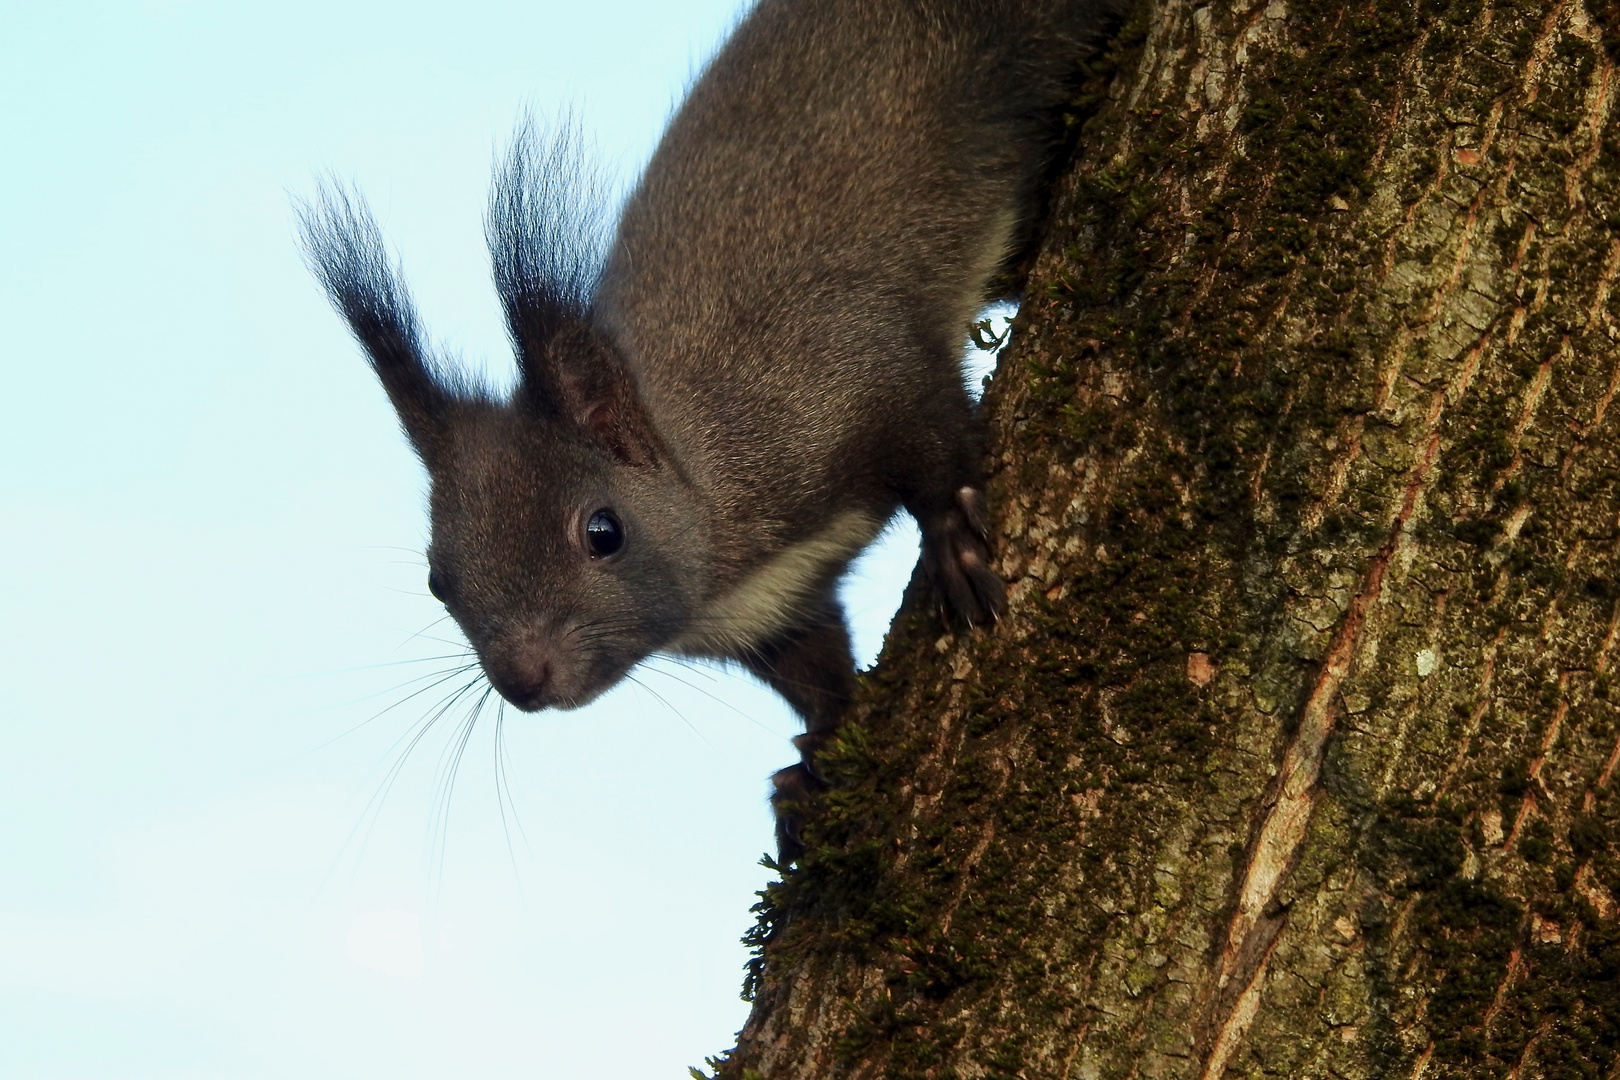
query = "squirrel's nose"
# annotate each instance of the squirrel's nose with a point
(522, 677)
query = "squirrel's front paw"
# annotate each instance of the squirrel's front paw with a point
(791, 789)
(956, 558)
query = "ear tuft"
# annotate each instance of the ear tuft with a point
(546, 230)
(345, 250)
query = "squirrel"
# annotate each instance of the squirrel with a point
(719, 409)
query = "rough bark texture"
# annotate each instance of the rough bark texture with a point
(1295, 755)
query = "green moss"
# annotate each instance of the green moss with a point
(1536, 845)
(1588, 835)
(1469, 930)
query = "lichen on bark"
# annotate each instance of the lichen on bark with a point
(1295, 753)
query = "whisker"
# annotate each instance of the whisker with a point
(670, 707)
(649, 668)
(447, 641)
(424, 630)
(696, 665)
(440, 677)
(445, 787)
(373, 808)
(503, 784)
(385, 664)
(395, 547)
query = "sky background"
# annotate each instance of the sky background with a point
(212, 530)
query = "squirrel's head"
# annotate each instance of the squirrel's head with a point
(564, 561)
(565, 541)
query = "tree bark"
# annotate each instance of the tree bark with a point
(1295, 754)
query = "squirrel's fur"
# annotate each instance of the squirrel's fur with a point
(762, 367)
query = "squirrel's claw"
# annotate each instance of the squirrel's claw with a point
(956, 558)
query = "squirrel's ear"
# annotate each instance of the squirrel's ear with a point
(545, 231)
(346, 251)
(581, 378)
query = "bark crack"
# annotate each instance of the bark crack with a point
(1252, 935)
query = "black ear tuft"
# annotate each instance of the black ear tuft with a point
(547, 231)
(345, 250)
(547, 235)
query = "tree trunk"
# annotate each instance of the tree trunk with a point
(1295, 754)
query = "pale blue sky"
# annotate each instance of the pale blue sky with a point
(211, 528)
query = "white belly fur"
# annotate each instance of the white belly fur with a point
(774, 597)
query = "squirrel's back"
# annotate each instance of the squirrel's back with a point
(794, 274)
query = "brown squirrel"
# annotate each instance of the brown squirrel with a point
(720, 410)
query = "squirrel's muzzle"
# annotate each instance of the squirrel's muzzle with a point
(523, 673)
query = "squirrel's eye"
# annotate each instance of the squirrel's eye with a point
(603, 534)
(436, 587)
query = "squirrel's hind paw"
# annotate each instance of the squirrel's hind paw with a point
(956, 558)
